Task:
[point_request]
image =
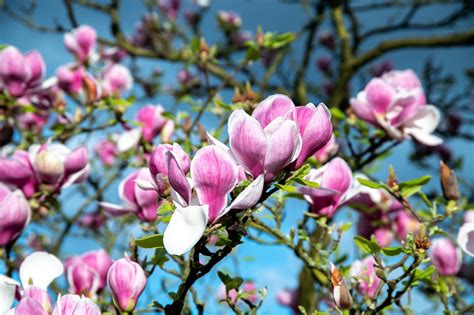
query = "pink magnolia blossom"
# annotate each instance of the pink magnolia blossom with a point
(277, 134)
(396, 103)
(71, 304)
(445, 257)
(18, 171)
(116, 79)
(229, 20)
(185, 77)
(56, 165)
(288, 298)
(170, 7)
(70, 78)
(33, 121)
(20, 73)
(336, 187)
(142, 203)
(15, 214)
(203, 199)
(29, 306)
(106, 150)
(87, 274)
(153, 122)
(81, 42)
(126, 281)
(364, 272)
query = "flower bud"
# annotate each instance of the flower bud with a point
(99, 261)
(445, 257)
(69, 79)
(341, 294)
(367, 275)
(14, 72)
(126, 280)
(81, 278)
(81, 42)
(49, 167)
(14, 214)
(449, 183)
(106, 151)
(116, 79)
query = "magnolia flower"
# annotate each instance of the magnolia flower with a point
(37, 271)
(18, 171)
(116, 79)
(396, 103)
(364, 272)
(81, 42)
(342, 296)
(466, 238)
(469, 216)
(142, 203)
(20, 73)
(87, 274)
(170, 7)
(127, 140)
(106, 151)
(56, 165)
(248, 288)
(153, 122)
(203, 199)
(445, 257)
(126, 281)
(336, 186)
(403, 223)
(277, 135)
(70, 78)
(15, 214)
(288, 298)
(229, 20)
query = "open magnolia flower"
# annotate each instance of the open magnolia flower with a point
(203, 199)
(396, 103)
(37, 271)
(277, 135)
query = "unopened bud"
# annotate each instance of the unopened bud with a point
(341, 294)
(49, 167)
(449, 183)
(392, 180)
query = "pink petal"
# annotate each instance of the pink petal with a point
(177, 178)
(215, 175)
(379, 95)
(272, 107)
(248, 141)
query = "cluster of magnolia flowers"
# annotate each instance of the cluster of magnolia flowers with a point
(86, 275)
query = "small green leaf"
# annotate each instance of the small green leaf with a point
(229, 282)
(160, 257)
(391, 251)
(369, 247)
(370, 183)
(287, 188)
(306, 182)
(151, 241)
(415, 182)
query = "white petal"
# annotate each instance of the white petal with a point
(248, 197)
(116, 210)
(145, 185)
(41, 268)
(426, 118)
(424, 137)
(186, 227)
(7, 293)
(466, 238)
(128, 140)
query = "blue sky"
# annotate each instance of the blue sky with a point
(268, 266)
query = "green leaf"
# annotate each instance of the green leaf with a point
(165, 208)
(370, 183)
(425, 274)
(306, 182)
(369, 247)
(302, 171)
(415, 182)
(150, 241)
(252, 54)
(275, 41)
(287, 188)
(229, 282)
(337, 113)
(160, 257)
(391, 251)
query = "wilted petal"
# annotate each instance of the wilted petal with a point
(248, 197)
(248, 142)
(215, 175)
(466, 238)
(40, 269)
(185, 228)
(273, 107)
(283, 146)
